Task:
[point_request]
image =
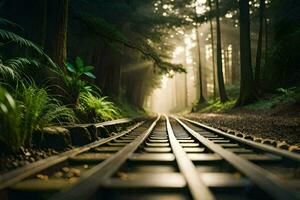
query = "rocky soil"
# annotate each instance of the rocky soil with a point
(10, 161)
(282, 125)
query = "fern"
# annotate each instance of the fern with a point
(33, 109)
(98, 107)
(6, 22)
(21, 63)
(10, 36)
(40, 110)
(13, 69)
(7, 72)
(10, 134)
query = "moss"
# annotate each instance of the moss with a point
(216, 106)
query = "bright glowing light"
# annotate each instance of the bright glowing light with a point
(188, 42)
(164, 82)
(181, 32)
(178, 50)
(194, 34)
(189, 60)
(228, 15)
(200, 7)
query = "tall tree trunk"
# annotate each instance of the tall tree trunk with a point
(234, 66)
(266, 36)
(213, 50)
(259, 45)
(222, 92)
(201, 85)
(186, 98)
(247, 88)
(56, 40)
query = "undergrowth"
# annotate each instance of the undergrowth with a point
(97, 108)
(30, 110)
(286, 96)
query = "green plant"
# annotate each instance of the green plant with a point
(98, 108)
(40, 110)
(79, 69)
(286, 96)
(74, 82)
(32, 109)
(10, 134)
(14, 69)
(215, 106)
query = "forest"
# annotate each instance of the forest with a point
(87, 61)
(150, 99)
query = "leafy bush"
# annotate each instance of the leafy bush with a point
(98, 108)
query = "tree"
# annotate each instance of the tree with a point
(57, 26)
(212, 48)
(201, 97)
(222, 92)
(247, 88)
(259, 44)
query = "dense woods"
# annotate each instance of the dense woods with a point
(95, 60)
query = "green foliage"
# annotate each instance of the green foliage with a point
(39, 110)
(80, 69)
(128, 110)
(98, 108)
(7, 36)
(14, 69)
(215, 106)
(108, 32)
(34, 109)
(74, 84)
(285, 96)
(233, 90)
(10, 133)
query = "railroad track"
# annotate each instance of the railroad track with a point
(166, 158)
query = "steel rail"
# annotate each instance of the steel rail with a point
(19, 174)
(263, 147)
(198, 189)
(267, 181)
(105, 124)
(92, 180)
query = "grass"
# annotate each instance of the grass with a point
(10, 134)
(216, 106)
(128, 110)
(31, 109)
(287, 96)
(96, 108)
